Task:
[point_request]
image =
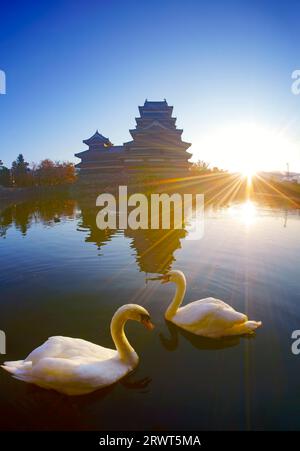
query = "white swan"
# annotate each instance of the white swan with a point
(75, 367)
(208, 317)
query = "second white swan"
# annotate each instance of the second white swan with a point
(208, 317)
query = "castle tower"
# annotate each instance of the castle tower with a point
(157, 143)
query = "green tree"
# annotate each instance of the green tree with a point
(5, 178)
(20, 171)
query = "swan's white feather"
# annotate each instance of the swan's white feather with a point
(208, 317)
(204, 310)
(212, 320)
(74, 366)
(66, 347)
(70, 365)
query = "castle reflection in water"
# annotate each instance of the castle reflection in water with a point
(153, 249)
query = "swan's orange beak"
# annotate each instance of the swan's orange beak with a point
(148, 324)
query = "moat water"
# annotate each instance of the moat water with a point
(60, 275)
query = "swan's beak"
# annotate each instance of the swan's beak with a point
(147, 323)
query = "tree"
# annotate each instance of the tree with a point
(45, 172)
(5, 178)
(20, 171)
(201, 166)
(67, 172)
(216, 169)
(49, 172)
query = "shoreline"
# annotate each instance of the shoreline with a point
(215, 188)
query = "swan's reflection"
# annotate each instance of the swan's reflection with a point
(171, 343)
(139, 384)
(47, 409)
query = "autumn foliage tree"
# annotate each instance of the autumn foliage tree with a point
(45, 173)
(49, 172)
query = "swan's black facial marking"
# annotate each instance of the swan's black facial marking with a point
(145, 318)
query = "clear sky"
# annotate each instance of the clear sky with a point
(75, 66)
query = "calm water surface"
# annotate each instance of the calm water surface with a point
(60, 275)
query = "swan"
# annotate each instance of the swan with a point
(73, 366)
(208, 317)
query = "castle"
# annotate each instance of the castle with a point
(156, 148)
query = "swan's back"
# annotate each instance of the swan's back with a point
(69, 365)
(205, 310)
(68, 348)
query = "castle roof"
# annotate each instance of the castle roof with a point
(97, 138)
(156, 107)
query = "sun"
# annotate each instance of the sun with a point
(248, 173)
(246, 148)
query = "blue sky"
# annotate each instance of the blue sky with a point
(73, 67)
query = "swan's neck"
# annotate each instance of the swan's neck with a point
(178, 298)
(124, 348)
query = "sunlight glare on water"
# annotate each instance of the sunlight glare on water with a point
(245, 213)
